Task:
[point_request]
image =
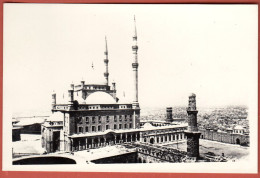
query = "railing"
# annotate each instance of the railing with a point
(160, 152)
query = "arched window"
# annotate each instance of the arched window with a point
(80, 130)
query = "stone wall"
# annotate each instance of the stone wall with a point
(225, 137)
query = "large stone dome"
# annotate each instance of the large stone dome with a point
(100, 97)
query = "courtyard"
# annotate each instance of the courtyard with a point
(31, 144)
(232, 151)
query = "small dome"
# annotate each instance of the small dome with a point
(148, 126)
(100, 97)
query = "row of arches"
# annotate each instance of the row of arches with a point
(83, 143)
(164, 138)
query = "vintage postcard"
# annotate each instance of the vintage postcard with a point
(130, 88)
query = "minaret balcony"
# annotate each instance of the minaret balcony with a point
(135, 65)
(106, 53)
(106, 61)
(106, 74)
(135, 48)
(191, 109)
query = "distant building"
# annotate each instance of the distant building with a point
(29, 125)
(232, 136)
(238, 129)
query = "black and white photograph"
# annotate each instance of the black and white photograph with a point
(130, 88)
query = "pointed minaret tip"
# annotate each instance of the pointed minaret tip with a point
(106, 52)
(135, 32)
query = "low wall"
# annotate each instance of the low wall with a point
(224, 137)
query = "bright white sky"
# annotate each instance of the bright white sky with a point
(210, 50)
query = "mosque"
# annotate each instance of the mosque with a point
(95, 117)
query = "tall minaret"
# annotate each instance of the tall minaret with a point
(169, 114)
(192, 133)
(135, 68)
(106, 74)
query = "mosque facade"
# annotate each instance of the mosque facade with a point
(95, 117)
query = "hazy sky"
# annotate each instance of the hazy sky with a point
(210, 50)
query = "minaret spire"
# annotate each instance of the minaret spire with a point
(135, 35)
(135, 67)
(106, 52)
(106, 74)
